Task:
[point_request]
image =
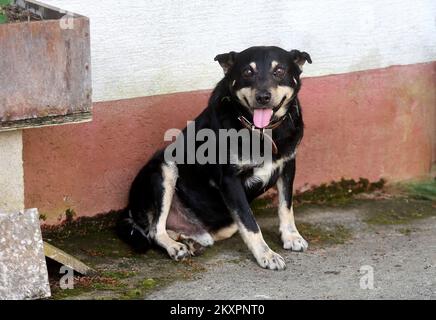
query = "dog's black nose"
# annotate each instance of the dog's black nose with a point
(263, 97)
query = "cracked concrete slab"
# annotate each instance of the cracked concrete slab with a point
(23, 270)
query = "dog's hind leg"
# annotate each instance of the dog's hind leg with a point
(163, 198)
(196, 244)
(183, 226)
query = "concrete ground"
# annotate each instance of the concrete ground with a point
(404, 267)
(391, 239)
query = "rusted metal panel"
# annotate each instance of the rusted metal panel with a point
(45, 71)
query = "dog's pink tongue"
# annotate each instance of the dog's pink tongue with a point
(262, 117)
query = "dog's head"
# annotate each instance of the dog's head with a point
(264, 79)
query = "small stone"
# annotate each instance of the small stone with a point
(332, 272)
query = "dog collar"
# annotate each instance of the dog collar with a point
(250, 126)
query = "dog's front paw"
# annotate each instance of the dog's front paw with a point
(294, 242)
(271, 260)
(178, 251)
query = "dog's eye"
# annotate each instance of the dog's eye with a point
(248, 73)
(279, 72)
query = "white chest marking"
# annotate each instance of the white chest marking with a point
(263, 174)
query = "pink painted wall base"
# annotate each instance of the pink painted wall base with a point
(372, 124)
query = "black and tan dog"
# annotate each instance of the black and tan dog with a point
(183, 207)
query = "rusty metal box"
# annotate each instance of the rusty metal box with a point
(45, 69)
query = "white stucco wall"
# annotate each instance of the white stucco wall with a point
(11, 171)
(150, 47)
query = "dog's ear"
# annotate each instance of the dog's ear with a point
(226, 60)
(300, 58)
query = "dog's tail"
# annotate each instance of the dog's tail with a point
(132, 233)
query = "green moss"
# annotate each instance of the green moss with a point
(260, 212)
(261, 203)
(94, 248)
(406, 231)
(86, 285)
(101, 287)
(122, 272)
(82, 226)
(133, 294)
(337, 192)
(69, 215)
(109, 286)
(398, 211)
(325, 235)
(425, 190)
(116, 284)
(119, 274)
(60, 294)
(3, 18)
(141, 289)
(148, 283)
